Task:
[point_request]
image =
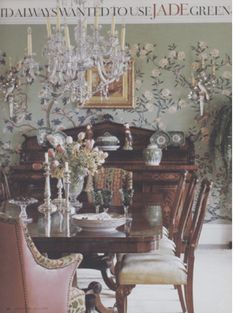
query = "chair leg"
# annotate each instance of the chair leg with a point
(181, 298)
(121, 297)
(189, 288)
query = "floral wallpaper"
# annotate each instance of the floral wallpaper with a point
(166, 97)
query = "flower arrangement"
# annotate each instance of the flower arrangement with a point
(83, 158)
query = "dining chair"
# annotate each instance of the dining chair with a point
(112, 179)
(31, 282)
(4, 186)
(165, 269)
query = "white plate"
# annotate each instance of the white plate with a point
(90, 222)
(108, 148)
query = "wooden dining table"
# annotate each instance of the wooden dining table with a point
(140, 234)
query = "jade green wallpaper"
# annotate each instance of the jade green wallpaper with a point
(165, 57)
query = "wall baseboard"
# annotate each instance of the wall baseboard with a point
(216, 234)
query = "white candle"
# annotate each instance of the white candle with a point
(58, 19)
(66, 166)
(67, 37)
(46, 157)
(97, 15)
(123, 37)
(29, 41)
(113, 26)
(48, 27)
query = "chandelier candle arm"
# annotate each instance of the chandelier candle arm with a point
(58, 18)
(29, 41)
(97, 16)
(48, 27)
(67, 37)
(123, 37)
(113, 26)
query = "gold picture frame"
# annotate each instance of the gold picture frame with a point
(121, 93)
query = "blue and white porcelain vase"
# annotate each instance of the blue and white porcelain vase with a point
(152, 155)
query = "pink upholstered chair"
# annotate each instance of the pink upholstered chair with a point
(30, 282)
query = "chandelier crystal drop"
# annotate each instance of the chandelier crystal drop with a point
(88, 66)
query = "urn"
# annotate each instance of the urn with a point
(152, 155)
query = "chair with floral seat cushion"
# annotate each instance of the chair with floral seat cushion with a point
(165, 269)
(30, 281)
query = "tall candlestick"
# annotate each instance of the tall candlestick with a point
(123, 37)
(97, 16)
(29, 41)
(66, 166)
(113, 26)
(67, 37)
(48, 28)
(58, 19)
(46, 157)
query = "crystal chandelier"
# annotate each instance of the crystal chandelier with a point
(69, 69)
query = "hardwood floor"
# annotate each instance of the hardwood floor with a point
(213, 280)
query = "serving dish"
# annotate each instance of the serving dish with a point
(98, 222)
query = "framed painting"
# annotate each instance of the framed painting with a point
(121, 93)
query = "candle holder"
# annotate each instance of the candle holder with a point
(60, 202)
(67, 182)
(47, 208)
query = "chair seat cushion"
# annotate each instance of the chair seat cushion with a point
(153, 269)
(76, 301)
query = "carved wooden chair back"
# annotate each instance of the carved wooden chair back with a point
(198, 217)
(176, 207)
(185, 218)
(4, 186)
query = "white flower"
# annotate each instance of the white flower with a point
(156, 72)
(81, 136)
(96, 149)
(227, 75)
(77, 146)
(165, 93)
(172, 109)
(203, 56)
(202, 44)
(69, 140)
(182, 103)
(148, 95)
(143, 53)
(163, 62)
(214, 53)
(6, 146)
(172, 54)
(55, 163)
(149, 46)
(134, 49)
(138, 83)
(149, 106)
(181, 55)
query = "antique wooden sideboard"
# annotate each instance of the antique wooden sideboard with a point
(27, 177)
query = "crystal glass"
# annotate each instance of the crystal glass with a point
(107, 198)
(23, 203)
(126, 197)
